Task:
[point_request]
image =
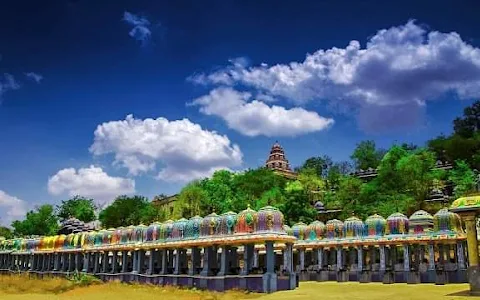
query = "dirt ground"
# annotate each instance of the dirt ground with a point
(307, 290)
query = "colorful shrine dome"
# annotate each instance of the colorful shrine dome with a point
(447, 221)
(420, 222)
(139, 233)
(61, 241)
(353, 227)
(192, 230)
(375, 225)
(179, 228)
(334, 229)
(288, 229)
(316, 231)
(397, 223)
(270, 219)
(166, 230)
(246, 221)
(299, 231)
(120, 235)
(209, 225)
(127, 234)
(227, 222)
(153, 232)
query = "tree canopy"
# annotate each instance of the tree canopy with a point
(41, 221)
(79, 207)
(366, 155)
(126, 210)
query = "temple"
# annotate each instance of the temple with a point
(278, 162)
(256, 251)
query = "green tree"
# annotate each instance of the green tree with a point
(348, 197)
(79, 207)
(190, 201)
(125, 211)
(419, 175)
(297, 207)
(273, 197)
(463, 178)
(366, 155)
(469, 124)
(6, 233)
(320, 164)
(250, 186)
(41, 221)
(219, 193)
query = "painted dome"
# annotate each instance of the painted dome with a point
(227, 222)
(246, 221)
(60, 241)
(77, 237)
(316, 230)
(420, 222)
(166, 230)
(139, 233)
(334, 229)
(288, 229)
(179, 228)
(128, 234)
(153, 232)
(98, 239)
(209, 225)
(299, 231)
(353, 227)
(192, 230)
(270, 219)
(447, 221)
(121, 235)
(397, 223)
(375, 225)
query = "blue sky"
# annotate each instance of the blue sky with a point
(109, 97)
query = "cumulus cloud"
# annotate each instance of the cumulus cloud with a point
(184, 150)
(141, 27)
(90, 182)
(11, 208)
(34, 76)
(402, 67)
(254, 118)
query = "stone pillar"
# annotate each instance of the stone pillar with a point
(195, 261)
(440, 278)
(431, 257)
(320, 258)
(105, 264)
(382, 259)
(406, 258)
(78, 261)
(170, 260)
(342, 275)
(96, 265)
(135, 261)
(224, 261)
(151, 261)
(460, 256)
(56, 262)
(177, 262)
(360, 258)
(124, 261)
(301, 254)
(270, 277)
(255, 258)
(71, 262)
(208, 256)
(141, 261)
(164, 260)
(248, 251)
(86, 262)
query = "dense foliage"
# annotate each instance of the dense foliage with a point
(41, 221)
(77, 207)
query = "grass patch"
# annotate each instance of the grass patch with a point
(31, 284)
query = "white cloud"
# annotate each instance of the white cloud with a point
(140, 27)
(257, 118)
(8, 83)
(401, 67)
(90, 182)
(184, 149)
(34, 76)
(11, 208)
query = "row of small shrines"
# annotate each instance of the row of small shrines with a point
(255, 251)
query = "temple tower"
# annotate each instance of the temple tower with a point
(278, 162)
